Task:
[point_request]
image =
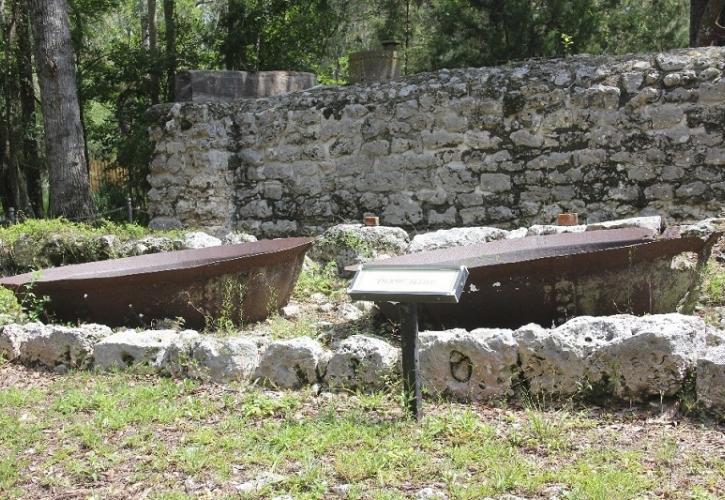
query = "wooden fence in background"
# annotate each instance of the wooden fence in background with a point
(108, 173)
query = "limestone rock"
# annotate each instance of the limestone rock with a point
(165, 223)
(447, 238)
(291, 364)
(106, 246)
(217, 359)
(54, 345)
(177, 359)
(714, 337)
(199, 239)
(595, 332)
(552, 362)
(521, 232)
(258, 484)
(546, 229)
(654, 223)
(710, 383)
(350, 312)
(654, 359)
(13, 336)
(671, 62)
(234, 358)
(150, 244)
(362, 362)
(236, 237)
(130, 347)
(291, 311)
(704, 228)
(348, 244)
(470, 365)
(430, 494)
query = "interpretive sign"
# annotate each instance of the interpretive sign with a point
(409, 286)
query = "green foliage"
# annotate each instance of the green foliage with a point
(40, 229)
(281, 328)
(714, 286)
(109, 199)
(34, 305)
(262, 35)
(625, 26)
(41, 243)
(230, 316)
(10, 309)
(315, 278)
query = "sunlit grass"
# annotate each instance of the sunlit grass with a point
(85, 428)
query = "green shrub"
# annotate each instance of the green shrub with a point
(10, 309)
(315, 278)
(40, 243)
(714, 285)
(41, 229)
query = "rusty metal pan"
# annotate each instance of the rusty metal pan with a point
(246, 281)
(549, 279)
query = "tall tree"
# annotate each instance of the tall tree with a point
(707, 26)
(171, 55)
(16, 126)
(261, 35)
(30, 162)
(155, 68)
(70, 193)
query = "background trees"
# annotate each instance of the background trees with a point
(128, 51)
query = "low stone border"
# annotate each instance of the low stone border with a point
(623, 356)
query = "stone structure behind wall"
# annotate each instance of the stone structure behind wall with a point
(205, 86)
(508, 146)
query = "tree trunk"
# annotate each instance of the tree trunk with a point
(16, 194)
(30, 157)
(706, 29)
(171, 56)
(153, 53)
(697, 7)
(6, 191)
(78, 44)
(70, 193)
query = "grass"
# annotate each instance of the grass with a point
(712, 298)
(316, 278)
(714, 284)
(86, 434)
(281, 328)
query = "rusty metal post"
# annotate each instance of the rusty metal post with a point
(411, 362)
(129, 209)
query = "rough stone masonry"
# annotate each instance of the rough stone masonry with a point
(607, 137)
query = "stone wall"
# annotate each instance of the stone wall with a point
(508, 146)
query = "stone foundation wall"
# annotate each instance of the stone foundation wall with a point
(508, 146)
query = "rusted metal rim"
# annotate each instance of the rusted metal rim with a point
(180, 260)
(511, 251)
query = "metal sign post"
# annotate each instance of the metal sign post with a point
(408, 286)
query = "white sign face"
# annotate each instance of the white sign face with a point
(399, 284)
